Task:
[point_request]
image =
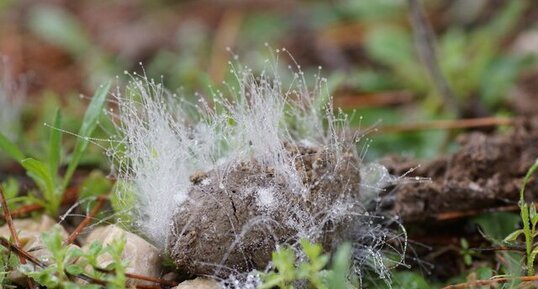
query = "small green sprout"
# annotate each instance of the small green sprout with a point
(466, 252)
(60, 263)
(529, 217)
(64, 263)
(8, 261)
(313, 271)
(45, 172)
(115, 250)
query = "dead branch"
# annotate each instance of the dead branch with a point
(499, 280)
(446, 124)
(100, 203)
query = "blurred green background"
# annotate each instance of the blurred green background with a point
(485, 52)
(387, 62)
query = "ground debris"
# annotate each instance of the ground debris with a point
(485, 172)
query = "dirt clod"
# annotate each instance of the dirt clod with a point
(485, 172)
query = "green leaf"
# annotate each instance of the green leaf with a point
(467, 259)
(31, 199)
(71, 285)
(95, 248)
(410, 280)
(340, 267)
(45, 277)
(525, 216)
(55, 143)
(312, 251)
(533, 254)
(392, 45)
(40, 173)
(115, 249)
(53, 241)
(497, 225)
(96, 184)
(11, 188)
(499, 77)
(464, 243)
(506, 19)
(73, 252)
(271, 280)
(60, 28)
(513, 236)
(10, 148)
(530, 172)
(484, 273)
(533, 216)
(88, 126)
(74, 269)
(284, 260)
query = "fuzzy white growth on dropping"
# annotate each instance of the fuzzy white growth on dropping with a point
(168, 141)
(159, 157)
(375, 178)
(265, 198)
(12, 95)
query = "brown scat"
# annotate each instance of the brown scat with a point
(197, 177)
(210, 234)
(485, 172)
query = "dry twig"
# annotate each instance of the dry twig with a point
(447, 124)
(9, 221)
(11, 226)
(492, 281)
(100, 202)
(141, 277)
(378, 99)
(225, 36)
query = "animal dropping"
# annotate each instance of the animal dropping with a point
(223, 182)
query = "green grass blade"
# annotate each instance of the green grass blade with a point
(10, 148)
(528, 220)
(88, 126)
(512, 237)
(341, 267)
(55, 144)
(530, 172)
(39, 172)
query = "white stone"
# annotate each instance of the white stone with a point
(199, 283)
(526, 43)
(143, 258)
(28, 230)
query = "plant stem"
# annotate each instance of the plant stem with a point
(526, 217)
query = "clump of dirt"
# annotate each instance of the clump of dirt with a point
(234, 218)
(485, 172)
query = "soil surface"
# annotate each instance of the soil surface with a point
(233, 223)
(486, 172)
